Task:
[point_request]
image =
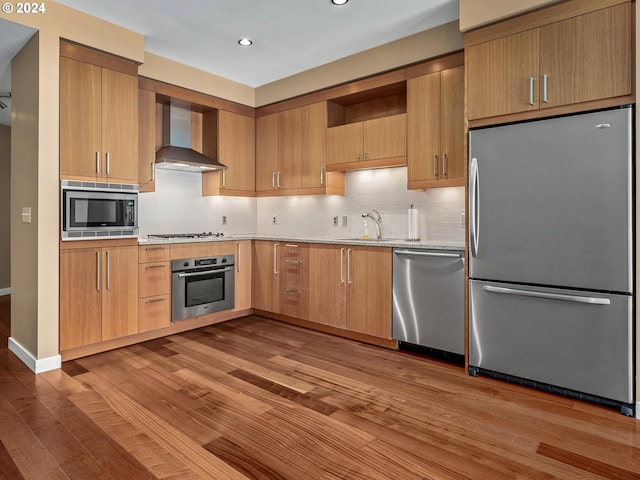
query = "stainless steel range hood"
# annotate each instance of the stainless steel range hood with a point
(177, 154)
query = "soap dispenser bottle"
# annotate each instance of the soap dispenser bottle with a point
(365, 228)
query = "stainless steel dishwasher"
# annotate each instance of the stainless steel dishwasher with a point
(428, 300)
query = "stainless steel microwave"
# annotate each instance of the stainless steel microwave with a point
(98, 210)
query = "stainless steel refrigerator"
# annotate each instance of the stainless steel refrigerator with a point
(551, 253)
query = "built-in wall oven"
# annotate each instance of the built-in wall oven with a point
(200, 286)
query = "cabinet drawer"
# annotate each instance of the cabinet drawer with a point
(154, 279)
(154, 253)
(154, 313)
(202, 249)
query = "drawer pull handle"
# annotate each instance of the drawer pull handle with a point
(157, 300)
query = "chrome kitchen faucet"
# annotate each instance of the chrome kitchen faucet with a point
(377, 221)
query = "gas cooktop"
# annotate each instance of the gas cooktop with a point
(186, 235)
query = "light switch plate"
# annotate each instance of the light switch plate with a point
(26, 215)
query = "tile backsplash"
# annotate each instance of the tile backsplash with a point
(177, 206)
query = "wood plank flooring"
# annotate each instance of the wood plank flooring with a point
(257, 399)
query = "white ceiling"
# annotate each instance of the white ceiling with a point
(289, 36)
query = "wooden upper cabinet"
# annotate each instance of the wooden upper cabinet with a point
(570, 59)
(372, 140)
(98, 123)
(344, 143)
(266, 152)
(587, 57)
(80, 118)
(435, 118)
(385, 137)
(314, 145)
(289, 149)
(236, 148)
(146, 140)
(502, 74)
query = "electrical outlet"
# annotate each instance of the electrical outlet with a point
(335, 221)
(274, 220)
(224, 219)
(344, 220)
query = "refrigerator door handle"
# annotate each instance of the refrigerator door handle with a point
(474, 200)
(548, 296)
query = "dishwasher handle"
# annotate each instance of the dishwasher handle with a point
(419, 253)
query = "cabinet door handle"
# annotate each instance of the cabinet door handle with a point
(273, 179)
(291, 245)
(530, 90)
(322, 174)
(366, 156)
(98, 162)
(156, 300)
(444, 164)
(544, 88)
(342, 266)
(275, 258)
(151, 267)
(278, 180)
(292, 292)
(98, 271)
(349, 266)
(435, 164)
(149, 249)
(224, 178)
(108, 163)
(238, 257)
(108, 271)
(153, 171)
(359, 156)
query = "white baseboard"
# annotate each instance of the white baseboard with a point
(36, 365)
(5, 291)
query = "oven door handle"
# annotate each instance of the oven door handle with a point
(204, 272)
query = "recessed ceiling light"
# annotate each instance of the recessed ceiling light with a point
(339, 2)
(245, 42)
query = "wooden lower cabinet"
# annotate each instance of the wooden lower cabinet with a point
(243, 275)
(98, 294)
(154, 278)
(368, 306)
(350, 287)
(327, 284)
(294, 285)
(266, 276)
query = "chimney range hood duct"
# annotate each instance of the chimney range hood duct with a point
(177, 154)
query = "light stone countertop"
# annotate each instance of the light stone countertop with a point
(371, 242)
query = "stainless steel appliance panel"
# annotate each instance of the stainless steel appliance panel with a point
(428, 298)
(551, 202)
(200, 286)
(573, 339)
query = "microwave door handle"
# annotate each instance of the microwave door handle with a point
(205, 272)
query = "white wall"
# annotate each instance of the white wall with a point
(177, 206)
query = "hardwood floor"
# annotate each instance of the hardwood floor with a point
(258, 399)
